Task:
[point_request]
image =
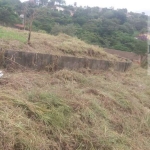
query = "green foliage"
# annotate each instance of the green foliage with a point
(68, 29)
(7, 12)
(55, 111)
(140, 47)
(11, 35)
(104, 27)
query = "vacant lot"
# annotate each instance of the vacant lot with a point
(14, 39)
(69, 110)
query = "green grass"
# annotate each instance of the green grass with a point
(53, 112)
(14, 39)
(11, 35)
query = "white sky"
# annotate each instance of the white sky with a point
(131, 5)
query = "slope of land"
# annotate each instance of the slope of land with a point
(14, 39)
(68, 110)
(106, 27)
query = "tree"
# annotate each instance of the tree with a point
(37, 16)
(75, 4)
(31, 19)
(69, 29)
(7, 12)
(30, 13)
(140, 49)
(102, 26)
(121, 15)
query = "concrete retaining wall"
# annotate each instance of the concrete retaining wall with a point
(52, 62)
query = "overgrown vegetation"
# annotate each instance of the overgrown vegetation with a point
(105, 27)
(62, 44)
(8, 16)
(75, 110)
(109, 28)
(68, 110)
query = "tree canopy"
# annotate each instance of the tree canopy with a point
(105, 27)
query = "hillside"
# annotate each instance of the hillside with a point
(68, 110)
(14, 39)
(75, 110)
(105, 27)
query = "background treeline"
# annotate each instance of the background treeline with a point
(105, 27)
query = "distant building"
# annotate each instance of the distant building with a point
(58, 8)
(22, 18)
(143, 37)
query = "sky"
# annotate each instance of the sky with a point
(131, 5)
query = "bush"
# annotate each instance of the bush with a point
(69, 29)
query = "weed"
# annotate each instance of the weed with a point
(14, 39)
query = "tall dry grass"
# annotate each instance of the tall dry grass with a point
(75, 110)
(14, 39)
